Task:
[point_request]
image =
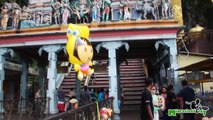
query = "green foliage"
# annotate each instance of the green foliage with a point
(194, 12)
(20, 2)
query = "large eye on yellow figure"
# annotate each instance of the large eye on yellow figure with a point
(72, 32)
(69, 31)
(76, 32)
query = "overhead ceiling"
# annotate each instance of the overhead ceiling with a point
(137, 49)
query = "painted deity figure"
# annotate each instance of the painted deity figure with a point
(147, 8)
(25, 14)
(127, 14)
(166, 9)
(16, 11)
(66, 11)
(5, 15)
(99, 3)
(121, 9)
(57, 13)
(47, 19)
(156, 4)
(38, 18)
(81, 12)
(106, 10)
(95, 9)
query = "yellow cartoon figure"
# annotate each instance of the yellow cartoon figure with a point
(79, 49)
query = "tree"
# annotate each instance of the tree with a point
(197, 12)
(20, 2)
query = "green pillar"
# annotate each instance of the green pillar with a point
(42, 73)
(24, 83)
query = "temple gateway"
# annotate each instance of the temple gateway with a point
(132, 39)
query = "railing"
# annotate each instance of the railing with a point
(87, 112)
(60, 77)
(25, 109)
(207, 100)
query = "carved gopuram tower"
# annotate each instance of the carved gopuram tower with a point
(41, 8)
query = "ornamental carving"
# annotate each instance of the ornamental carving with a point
(51, 12)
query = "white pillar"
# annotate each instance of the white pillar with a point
(52, 75)
(3, 51)
(112, 71)
(2, 77)
(171, 43)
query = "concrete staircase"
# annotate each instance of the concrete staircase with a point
(132, 80)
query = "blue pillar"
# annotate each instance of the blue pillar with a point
(112, 71)
(77, 87)
(24, 82)
(52, 75)
(42, 72)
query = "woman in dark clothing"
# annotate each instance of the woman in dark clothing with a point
(85, 97)
(171, 101)
(164, 94)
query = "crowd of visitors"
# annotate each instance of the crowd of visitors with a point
(155, 106)
(86, 96)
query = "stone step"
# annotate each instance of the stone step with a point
(133, 89)
(67, 87)
(131, 81)
(101, 73)
(132, 74)
(129, 72)
(68, 83)
(131, 67)
(70, 77)
(133, 85)
(91, 86)
(101, 82)
(71, 81)
(128, 98)
(96, 75)
(123, 82)
(68, 80)
(132, 78)
(130, 64)
(99, 86)
(137, 93)
(134, 60)
(136, 102)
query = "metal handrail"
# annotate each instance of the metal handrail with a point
(35, 108)
(86, 112)
(60, 77)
